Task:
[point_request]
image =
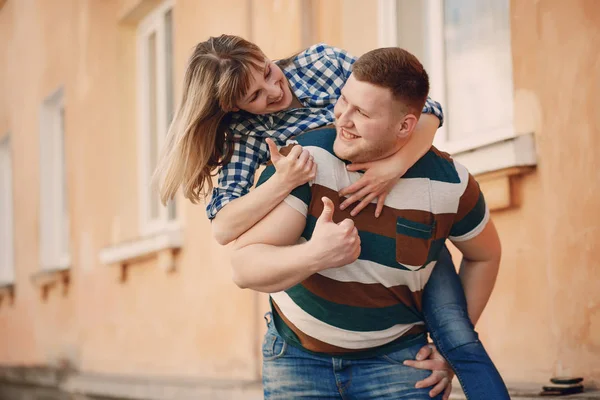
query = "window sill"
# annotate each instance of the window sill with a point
(518, 151)
(61, 265)
(162, 245)
(7, 291)
(502, 188)
(48, 278)
(499, 166)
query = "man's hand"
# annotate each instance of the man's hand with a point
(441, 373)
(335, 244)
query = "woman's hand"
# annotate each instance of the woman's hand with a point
(295, 169)
(382, 175)
(429, 358)
(377, 182)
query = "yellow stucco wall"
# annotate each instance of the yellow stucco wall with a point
(543, 317)
(155, 322)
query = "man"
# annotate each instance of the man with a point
(346, 292)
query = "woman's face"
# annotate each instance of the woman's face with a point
(269, 91)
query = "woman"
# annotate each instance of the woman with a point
(237, 105)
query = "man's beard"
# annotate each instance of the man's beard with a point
(361, 154)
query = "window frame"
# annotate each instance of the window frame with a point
(55, 246)
(153, 23)
(7, 260)
(517, 149)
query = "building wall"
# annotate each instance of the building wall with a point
(543, 318)
(190, 322)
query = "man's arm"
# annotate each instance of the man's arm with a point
(479, 268)
(268, 259)
(257, 256)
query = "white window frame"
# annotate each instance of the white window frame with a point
(152, 23)
(7, 228)
(55, 249)
(506, 145)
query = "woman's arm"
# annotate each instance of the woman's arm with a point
(382, 175)
(243, 213)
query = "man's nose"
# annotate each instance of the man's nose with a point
(343, 117)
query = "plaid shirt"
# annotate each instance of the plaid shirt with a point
(316, 77)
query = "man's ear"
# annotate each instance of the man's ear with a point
(407, 126)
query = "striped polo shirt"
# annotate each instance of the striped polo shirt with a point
(373, 305)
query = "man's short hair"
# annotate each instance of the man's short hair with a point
(398, 70)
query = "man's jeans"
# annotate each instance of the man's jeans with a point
(447, 319)
(292, 373)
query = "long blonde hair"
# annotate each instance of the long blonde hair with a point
(218, 74)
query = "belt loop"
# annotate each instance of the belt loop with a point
(268, 317)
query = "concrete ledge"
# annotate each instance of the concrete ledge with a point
(7, 289)
(34, 375)
(518, 151)
(163, 244)
(46, 277)
(502, 188)
(160, 388)
(70, 382)
(527, 391)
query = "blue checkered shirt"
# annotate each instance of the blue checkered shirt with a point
(316, 77)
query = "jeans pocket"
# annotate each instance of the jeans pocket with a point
(399, 356)
(273, 346)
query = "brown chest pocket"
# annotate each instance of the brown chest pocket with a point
(413, 242)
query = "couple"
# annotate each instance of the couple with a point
(353, 295)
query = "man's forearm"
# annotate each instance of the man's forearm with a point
(478, 279)
(270, 269)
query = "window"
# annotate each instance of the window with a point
(7, 260)
(465, 47)
(54, 207)
(155, 69)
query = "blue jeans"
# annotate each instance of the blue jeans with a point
(447, 319)
(292, 373)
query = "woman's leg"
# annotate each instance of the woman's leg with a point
(446, 316)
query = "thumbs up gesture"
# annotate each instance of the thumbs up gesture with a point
(336, 245)
(295, 169)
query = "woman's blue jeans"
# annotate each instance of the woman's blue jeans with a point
(447, 319)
